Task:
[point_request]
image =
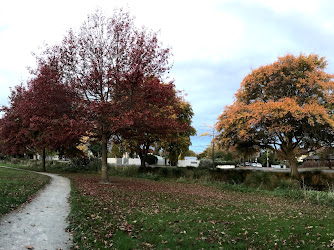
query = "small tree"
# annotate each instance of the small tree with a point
(177, 144)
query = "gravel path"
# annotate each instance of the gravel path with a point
(41, 223)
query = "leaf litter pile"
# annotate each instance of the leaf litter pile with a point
(135, 213)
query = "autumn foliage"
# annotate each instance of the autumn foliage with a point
(285, 106)
(44, 114)
(118, 70)
(152, 114)
(109, 74)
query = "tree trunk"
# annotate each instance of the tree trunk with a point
(294, 169)
(329, 164)
(143, 157)
(43, 160)
(104, 168)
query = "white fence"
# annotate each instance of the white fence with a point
(161, 162)
(225, 166)
(188, 163)
(278, 166)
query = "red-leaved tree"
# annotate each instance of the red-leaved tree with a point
(45, 114)
(102, 58)
(152, 112)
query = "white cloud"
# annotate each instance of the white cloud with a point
(309, 7)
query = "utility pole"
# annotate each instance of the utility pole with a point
(213, 140)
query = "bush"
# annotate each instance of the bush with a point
(316, 180)
(205, 164)
(95, 164)
(223, 162)
(151, 160)
(232, 176)
(197, 174)
(15, 161)
(178, 172)
(288, 184)
(164, 172)
(127, 171)
(34, 164)
(261, 179)
(85, 165)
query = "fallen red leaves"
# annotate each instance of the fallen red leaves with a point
(179, 214)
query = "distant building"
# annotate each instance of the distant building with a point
(317, 158)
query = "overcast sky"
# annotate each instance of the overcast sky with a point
(215, 44)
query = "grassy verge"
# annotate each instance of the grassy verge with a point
(77, 166)
(16, 187)
(141, 214)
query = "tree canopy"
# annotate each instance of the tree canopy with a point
(177, 144)
(108, 61)
(155, 112)
(286, 106)
(44, 114)
(109, 73)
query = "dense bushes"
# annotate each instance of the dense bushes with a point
(316, 179)
(75, 165)
(85, 165)
(262, 179)
(151, 159)
(208, 164)
(288, 184)
(205, 163)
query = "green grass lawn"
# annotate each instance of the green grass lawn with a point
(17, 186)
(142, 214)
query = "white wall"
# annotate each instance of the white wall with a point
(161, 162)
(188, 163)
(225, 166)
(117, 161)
(134, 161)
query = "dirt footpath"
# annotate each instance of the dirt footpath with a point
(40, 224)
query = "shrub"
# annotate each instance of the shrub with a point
(178, 172)
(222, 162)
(232, 176)
(205, 164)
(261, 179)
(288, 184)
(151, 159)
(316, 179)
(34, 164)
(164, 172)
(128, 171)
(95, 164)
(199, 173)
(84, 165)
(15, 161)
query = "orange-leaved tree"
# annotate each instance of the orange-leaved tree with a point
(286, 106)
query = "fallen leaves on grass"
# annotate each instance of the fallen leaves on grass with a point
(178, 215)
